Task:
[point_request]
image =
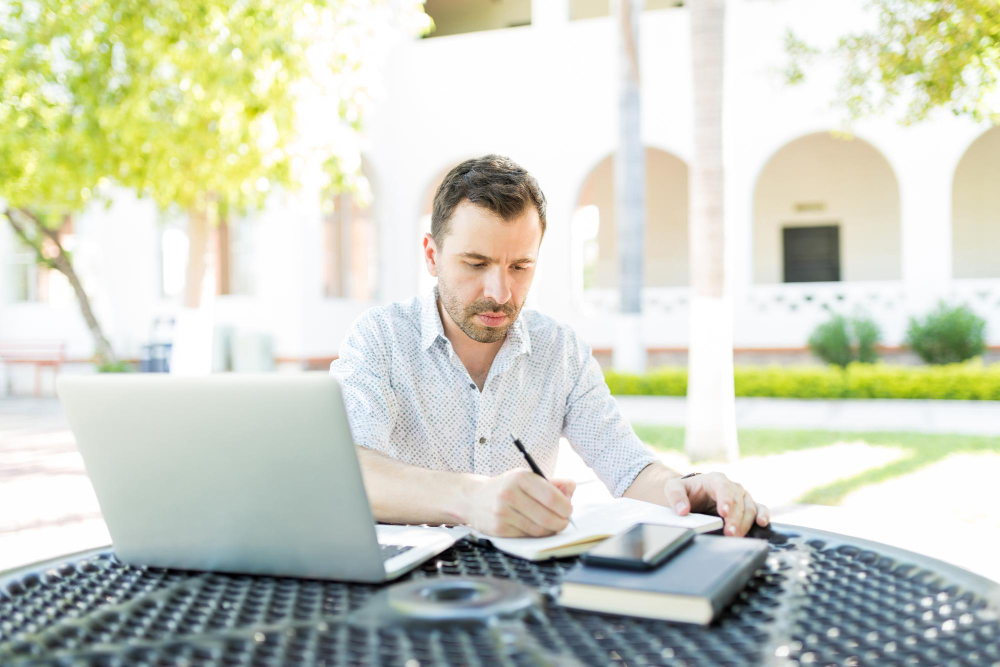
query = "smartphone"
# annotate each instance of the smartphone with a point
(641, 547)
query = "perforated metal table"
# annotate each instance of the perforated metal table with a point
(821, 599)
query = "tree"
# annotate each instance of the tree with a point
(927, 54)
(711, 402)
(198, 104)
(630, 189)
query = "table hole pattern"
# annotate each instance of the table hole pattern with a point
(812, 602)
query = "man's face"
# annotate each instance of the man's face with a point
(485, 268)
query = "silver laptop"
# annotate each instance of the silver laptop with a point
(236, 473)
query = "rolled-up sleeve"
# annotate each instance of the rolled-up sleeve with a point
(363, 371)
(596, 428)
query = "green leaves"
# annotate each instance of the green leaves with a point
(924, 54)
(947, 335)
(841, 340)
(969, 381)
(190, 102)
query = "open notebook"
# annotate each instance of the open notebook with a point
(596, 522)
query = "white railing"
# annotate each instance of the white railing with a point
(784, 315)
(659, 300)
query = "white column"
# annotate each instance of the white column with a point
(738, 222)
(925, 229)
(549, 13)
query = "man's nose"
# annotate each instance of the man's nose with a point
(497, 285)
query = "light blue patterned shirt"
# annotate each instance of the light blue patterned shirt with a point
(409, 396)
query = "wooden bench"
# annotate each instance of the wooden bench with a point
(39, 354)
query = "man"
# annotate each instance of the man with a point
(434, 387)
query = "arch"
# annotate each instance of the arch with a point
(666, 251)
(975, 209)
(826, 180)
(788, 135)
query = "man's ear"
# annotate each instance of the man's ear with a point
(431, 255)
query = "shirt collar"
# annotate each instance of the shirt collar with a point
(518, 337)
(431, 327)
(430, 320)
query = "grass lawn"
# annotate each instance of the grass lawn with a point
(921, 450)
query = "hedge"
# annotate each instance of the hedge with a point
(965, 381)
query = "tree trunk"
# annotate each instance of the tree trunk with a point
(197, 248)
(223, 273)
(711, 405)
(61, 262)
(630, 191)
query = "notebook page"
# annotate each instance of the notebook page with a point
(596, 522)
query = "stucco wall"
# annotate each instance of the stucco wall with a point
(851, 184)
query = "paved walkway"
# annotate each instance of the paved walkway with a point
(956, 417)
(47, 505)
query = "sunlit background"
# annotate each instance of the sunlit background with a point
(223, 187)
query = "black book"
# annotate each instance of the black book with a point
(692, 587)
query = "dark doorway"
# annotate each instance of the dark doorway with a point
(811, 254)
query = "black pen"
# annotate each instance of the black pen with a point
(534, 466)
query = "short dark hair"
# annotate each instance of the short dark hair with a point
(494, 182)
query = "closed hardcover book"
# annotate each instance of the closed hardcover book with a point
(692, 587)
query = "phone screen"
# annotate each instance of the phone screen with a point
(643, 545)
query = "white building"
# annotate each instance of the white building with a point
(888, 221)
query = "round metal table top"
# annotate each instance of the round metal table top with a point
(820, 599)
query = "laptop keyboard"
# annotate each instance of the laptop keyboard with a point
(390, 550)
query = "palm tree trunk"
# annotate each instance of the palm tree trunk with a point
(60, 261)
(711, 406)
(630, 191)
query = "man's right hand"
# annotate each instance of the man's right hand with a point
(519, 503)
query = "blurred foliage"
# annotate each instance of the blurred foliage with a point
(203, 105)
(947, 335)
(831, 342)
(867, 335)
(925, 53)
(965, 381)
(841, 340)
(191, 102)
(116, 367)
(666, 381)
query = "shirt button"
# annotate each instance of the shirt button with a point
(482, 441)
(472, 385)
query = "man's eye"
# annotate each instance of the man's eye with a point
(520, 268)
(477, 266)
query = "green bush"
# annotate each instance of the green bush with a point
(831, 342)
(665, 381)
(966, 381)
(116, 367)
(947, 335)
(867, 336)
(841, 340)
(790, 382)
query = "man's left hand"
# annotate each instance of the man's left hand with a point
(714, 492)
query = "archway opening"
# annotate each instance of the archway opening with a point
(975, 210)
(594, 231)
(826, 209)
